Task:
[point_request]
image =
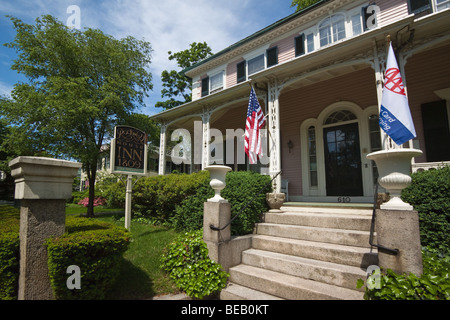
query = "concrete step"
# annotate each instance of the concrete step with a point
(330, 252)
(236, 292)
(288, 286)
(322, 218)
(322, 271)
(320, 234)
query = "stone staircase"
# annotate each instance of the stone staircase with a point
(305, 253)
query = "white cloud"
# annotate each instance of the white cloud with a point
(5, 89)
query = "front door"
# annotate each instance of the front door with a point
(343, 160)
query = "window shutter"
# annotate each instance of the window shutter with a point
(241, 73)
(300, 45)
(272, 56)
(205, 87)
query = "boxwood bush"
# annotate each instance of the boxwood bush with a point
(9, 252)
(429, 194)
(155, 198)
(241, 187)
(96, 248)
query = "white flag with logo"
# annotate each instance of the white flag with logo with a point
(395, 116)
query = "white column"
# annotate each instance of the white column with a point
(274, 133)
(162, 150)
(206, 152)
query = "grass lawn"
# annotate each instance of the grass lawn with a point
(141, 277)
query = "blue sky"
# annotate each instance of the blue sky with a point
(169, 25)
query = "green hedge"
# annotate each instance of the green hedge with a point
(96, 248)
(155, 198)
(429, 194)
(9, 252)
(241, 187)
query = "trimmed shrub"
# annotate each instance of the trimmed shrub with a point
(429, 193)
(156, 198)
(186, 260)
(241, 187)
(9, 252)
(96, 248)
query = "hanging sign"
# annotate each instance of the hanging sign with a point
(129, 151)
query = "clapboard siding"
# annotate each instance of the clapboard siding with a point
(391, 11)
(425, 73)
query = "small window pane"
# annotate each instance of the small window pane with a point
(310, 42)
(217, 81)
(256, 64)
(356, 24)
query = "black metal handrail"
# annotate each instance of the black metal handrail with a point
(372, 228)
(212, 227)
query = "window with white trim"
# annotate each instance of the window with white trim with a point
(356, 24)
(332, 29)
(442, 4)
(216, 82)
(256, 64)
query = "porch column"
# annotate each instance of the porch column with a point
(274, 130)
(206, 115)
(162, 150)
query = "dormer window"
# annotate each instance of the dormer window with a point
(332, 29)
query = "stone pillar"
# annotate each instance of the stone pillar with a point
(42, 185)
(399, 229)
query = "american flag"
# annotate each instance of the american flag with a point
(255, 122)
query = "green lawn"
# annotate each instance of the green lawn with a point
(141, 277)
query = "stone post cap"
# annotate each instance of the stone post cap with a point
(43, 178)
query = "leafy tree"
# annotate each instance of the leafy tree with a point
(302, 4)
(176, 85)
(80, 85)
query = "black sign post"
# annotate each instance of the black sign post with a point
(129, 156)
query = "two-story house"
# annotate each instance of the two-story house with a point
(318, 74)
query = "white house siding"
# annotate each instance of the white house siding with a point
(391, 11)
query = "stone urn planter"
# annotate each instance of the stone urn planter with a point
(394, 169)
(217, 174)
(275, 201)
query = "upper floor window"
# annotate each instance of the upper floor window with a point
(216, 82)
(424, 7)
(256, 64)
(332, 29)
(212, 84)
(442, 4)
(419, 6)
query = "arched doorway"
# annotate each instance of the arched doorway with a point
(342, 154)
(334, 148)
